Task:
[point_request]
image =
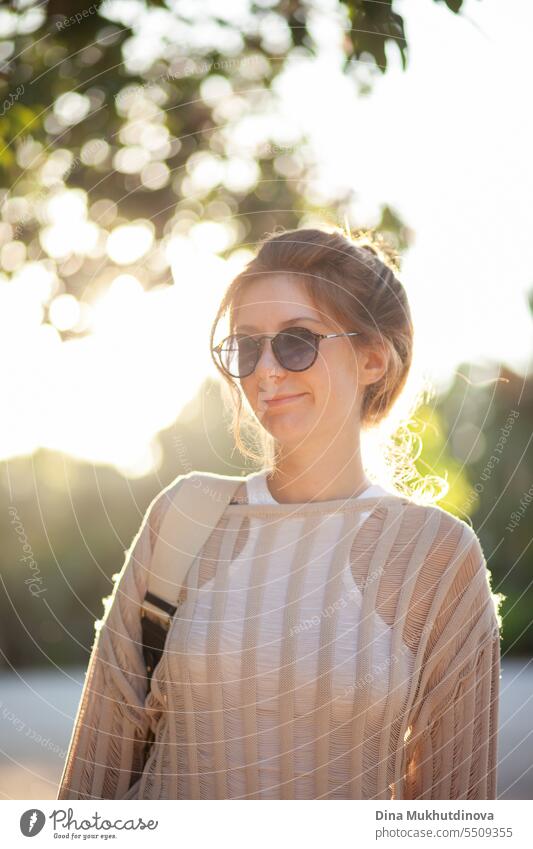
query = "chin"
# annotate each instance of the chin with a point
(286, 431)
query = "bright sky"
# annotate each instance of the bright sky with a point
(447, 143)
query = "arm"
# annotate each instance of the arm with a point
(451, 747)
(106, 751)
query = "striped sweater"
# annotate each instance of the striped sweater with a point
(344, 649)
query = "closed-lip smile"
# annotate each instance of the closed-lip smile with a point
(281, 399)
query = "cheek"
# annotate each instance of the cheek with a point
(336, 383)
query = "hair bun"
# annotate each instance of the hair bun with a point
(376, 244)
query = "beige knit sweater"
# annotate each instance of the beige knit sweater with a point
(337, 649)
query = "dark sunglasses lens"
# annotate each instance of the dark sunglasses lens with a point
(295, 348)
(238, 355)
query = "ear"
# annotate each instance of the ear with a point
(373, 363)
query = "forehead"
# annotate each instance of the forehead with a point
(271, 299)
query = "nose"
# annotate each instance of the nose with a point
(268, 365)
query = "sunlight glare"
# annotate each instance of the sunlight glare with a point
(129, 242)
(64, 312)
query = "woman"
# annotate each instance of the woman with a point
(336, 639)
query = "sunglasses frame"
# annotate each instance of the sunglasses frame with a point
(259, 342)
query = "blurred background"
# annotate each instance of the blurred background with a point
(145, 148)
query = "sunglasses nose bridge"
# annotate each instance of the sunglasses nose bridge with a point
(266, 358)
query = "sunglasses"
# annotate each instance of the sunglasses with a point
(295, 349)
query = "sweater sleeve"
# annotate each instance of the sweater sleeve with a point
(106, 750)
(451, 739)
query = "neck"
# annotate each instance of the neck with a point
(295, 479)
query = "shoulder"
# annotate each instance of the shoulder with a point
(199, 484)
(450, 529)
(159, 505)
(455, 565)
(450, 584)
(451, 551)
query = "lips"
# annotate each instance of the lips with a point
(279, 400)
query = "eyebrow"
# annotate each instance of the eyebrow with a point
(287, 323)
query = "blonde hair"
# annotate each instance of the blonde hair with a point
(353, 279)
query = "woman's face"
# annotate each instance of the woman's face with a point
(327, 396)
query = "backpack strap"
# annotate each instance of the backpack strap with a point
(196, 506)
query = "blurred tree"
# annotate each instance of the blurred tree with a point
(489, 427)
(165, 112)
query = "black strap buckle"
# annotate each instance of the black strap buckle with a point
(154, 635)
